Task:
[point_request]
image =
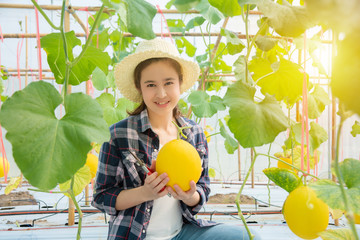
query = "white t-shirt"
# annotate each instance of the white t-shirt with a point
(165, 220)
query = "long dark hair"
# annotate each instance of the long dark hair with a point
(137, 76)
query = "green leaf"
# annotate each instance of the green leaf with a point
(81, 178)
(350, 169)
(183, 44)
(345, 81)
(234, 43)
(101, 41)
(231, 145)
(99, 79)
(337, 234)
(284, 178)
(265, 43)
(49, 150)
(286, 20)
(212, 173)
(185, 5)
(203, 106)
(210, 13)
(330, 193)
(175, 25)
(317, 100)
(227, 7)
(355, 129)
(318, 135)
(285, 83)
(194, 22)
(259, 67)
(53, 45)
(54, 48)
(140, 15)
(253, 123)
(112, 113)
(92, 58)
(240, 70)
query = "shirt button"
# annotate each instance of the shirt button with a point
(155, 150)
(143, 230)
(148, 210)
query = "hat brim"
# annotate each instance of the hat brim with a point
(124, 72)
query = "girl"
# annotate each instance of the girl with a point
(139, 206)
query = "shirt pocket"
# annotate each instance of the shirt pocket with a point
(133, 169)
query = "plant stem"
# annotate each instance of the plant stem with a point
(304, 172)
(44, 15)
(349, 213)
(71, 193)
(88, 41)
(179, 130)
(237, 200)
(45, 191)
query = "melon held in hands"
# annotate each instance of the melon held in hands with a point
(181, 161)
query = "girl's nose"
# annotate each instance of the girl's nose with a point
(161, 92)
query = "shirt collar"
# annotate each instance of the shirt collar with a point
(144, 124)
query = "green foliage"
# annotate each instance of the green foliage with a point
(253, 123)
(234, 44)
(183, 44)
(101, 40)
(317, 100)
(140, 9)
(185, 5)
(93, 57)
(227, 7)
(231, 145)
(205, 106)
(355, 129)
(285, 83)
(317, 136)
(330, 191)
(194, 22)
(286, 20)
(337, 234)
(81, 178)
(284, 178)
(101, 80)
(49, 150)
(210, 13)
(114, 112)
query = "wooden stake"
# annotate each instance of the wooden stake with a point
(239, 164)
(71, 217)
(252, 170)
(87, 197)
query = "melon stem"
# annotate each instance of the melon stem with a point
(179, 130)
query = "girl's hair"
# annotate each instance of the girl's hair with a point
(137, 76)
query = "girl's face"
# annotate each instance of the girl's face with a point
(160, 88)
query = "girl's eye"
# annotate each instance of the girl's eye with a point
(169, 83)
(150, 85)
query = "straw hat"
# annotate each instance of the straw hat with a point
(155, 48)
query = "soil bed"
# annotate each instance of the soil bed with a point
(230, 198)
(17, 199)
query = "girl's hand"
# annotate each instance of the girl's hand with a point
(154, 186)
(190, 197)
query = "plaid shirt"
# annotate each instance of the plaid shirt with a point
(117, 171)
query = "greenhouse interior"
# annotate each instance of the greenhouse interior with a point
(274, 94)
